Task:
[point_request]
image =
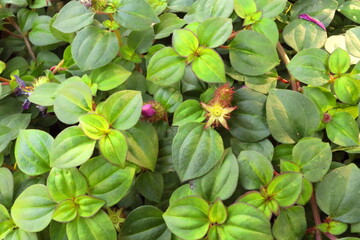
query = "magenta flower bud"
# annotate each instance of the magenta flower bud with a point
(147, 111)
(310, 19)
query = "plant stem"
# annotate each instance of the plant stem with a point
(11, 33)
(4, 80)
(285, 58)
(58, 66)
(316, 215)
(117, 32)
(26, 40)
(330, 236)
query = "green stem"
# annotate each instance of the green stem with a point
(285, 58)
(117, 31)
(58, 66)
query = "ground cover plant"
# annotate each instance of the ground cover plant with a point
(179, 119)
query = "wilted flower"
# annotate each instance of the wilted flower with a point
(219, 108)
(311, 19)
(27, 90)
(153, 112)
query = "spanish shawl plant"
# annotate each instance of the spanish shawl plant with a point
(179, 119)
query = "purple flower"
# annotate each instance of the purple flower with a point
(147, 110)
(310, 19)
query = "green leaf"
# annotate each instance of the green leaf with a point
(145, 222)
(247, 123)
(253, 57)
(255, 199)
(315, 161)
(352, 40)
(65, 211)
(44, 94)
(185, 42)
(66, 183)
(309, 66)
(244, 8)
(209, 66)
(203, 9)
(6, 135)
(188, 218)
(16, 121)
(166, 67)
(218, 213)
(94, 126)
(88, 206)
(122, 109)
(40, 34)
(343, 130)
(290, 224)
(6, 224)
(25, 19)
(168, 23)
(221, 181)
(347, 89)
(150, 185)
(214, 31)
(351, 10)
(94, 47)
(285, 188)
(6, 187)
(188, 111)
(106, 181)
(114, 148)
(66, 37)
(135, 15)
(71, 148)
(264, 146)
(268, 28)
(19, 234)
(110, 76)
(255, 170)
(32, 151)
(322, 10)
(291, 116)
(170, 98)
(195, 150)
(246, 222)
(301, 34)
(143, 144)
(337, 194)
(33, 209)
(73, 99)
(322, 97)
(72, 17)
(57, 231)
(306, 192)
(96, 227)
(339, 61)
(270, 8)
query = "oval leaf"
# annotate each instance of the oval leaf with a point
(114, 148)
(33, 209)
(71, 148)
(195, 150)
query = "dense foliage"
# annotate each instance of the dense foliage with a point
(179, 119)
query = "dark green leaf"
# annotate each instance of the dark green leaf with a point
(203, 9)
(195, 150)
(109, 76)
(214, 31)
(337, 194)
(6, 187)
(343, 129)
(351, 10)
(94, 47)
(290, 224)
(150, 185)
(291, 116)
(309, 66)
(253, 57)
(188, 111)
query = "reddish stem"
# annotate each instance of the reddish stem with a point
(316, 215)
(330, 236)
(4, 80)
(224, 47)
(233, 34)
